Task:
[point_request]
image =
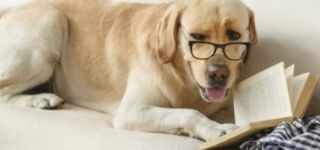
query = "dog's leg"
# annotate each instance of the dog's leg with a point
(139, 111)
(31, 38)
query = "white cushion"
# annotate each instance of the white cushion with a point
(75, 128)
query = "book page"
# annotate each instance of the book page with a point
(263, 96)
(289, 76)
(298, 84)
(303, 88)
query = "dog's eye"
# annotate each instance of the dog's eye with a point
(233, 35)
(197, 36)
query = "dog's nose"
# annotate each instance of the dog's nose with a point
(217, 74)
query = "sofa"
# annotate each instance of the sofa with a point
(288, 31)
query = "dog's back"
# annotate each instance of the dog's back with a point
(98, 51)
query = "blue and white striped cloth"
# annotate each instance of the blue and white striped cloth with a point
(302, 134)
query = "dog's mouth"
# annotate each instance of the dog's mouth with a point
(214, 94)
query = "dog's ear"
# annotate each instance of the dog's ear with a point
(166, 34)
(253, 37)
(252, 29)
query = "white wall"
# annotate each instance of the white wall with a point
(289, 30)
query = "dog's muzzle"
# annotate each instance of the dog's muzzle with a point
(217, 77)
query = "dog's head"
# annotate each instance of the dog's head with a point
(214, 37)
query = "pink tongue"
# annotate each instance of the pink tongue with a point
(216, 94)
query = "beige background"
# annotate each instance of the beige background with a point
(289, 30)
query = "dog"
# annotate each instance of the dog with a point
(155, 67)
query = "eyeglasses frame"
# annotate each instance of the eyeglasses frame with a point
(217, 46)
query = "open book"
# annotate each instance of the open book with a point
(266, 99)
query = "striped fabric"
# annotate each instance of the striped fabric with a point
(302, 134)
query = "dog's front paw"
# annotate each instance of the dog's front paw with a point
(213, 134)
(228, 127)
(211, 131)
(45, 101)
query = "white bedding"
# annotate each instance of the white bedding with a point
(74, 128)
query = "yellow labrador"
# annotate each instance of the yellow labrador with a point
(155, 67)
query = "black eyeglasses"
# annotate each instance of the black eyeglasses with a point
(205, 50)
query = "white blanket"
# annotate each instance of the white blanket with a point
(74, 128)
